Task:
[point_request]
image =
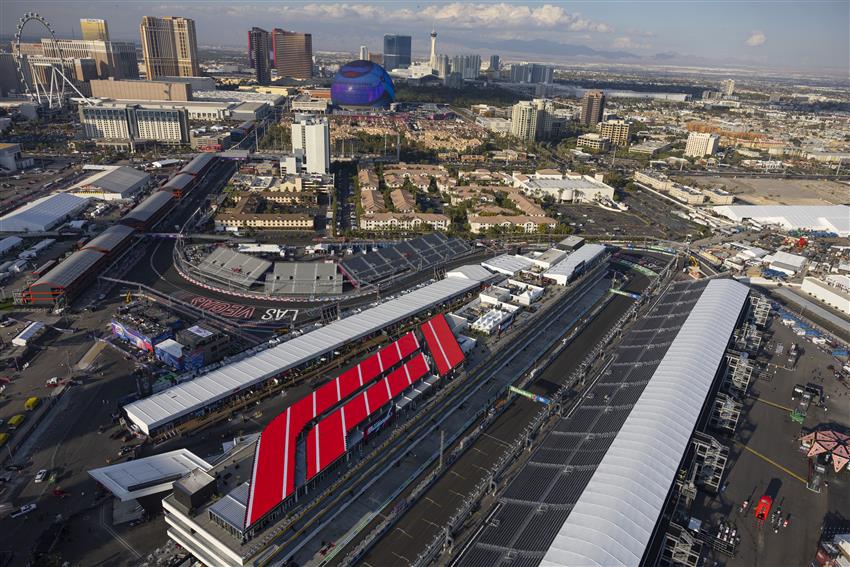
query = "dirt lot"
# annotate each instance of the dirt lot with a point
(762, 191)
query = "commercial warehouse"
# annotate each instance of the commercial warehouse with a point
(170, 407)
(112, 183)
(43, 214)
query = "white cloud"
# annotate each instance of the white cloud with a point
(455, 15)
(756, 38)
(627, 42)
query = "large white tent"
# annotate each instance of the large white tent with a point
(614, 519)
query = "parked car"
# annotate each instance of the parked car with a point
(23, 510)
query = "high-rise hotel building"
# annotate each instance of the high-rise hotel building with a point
(170, 47)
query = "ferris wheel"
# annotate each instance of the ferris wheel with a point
(42, 81)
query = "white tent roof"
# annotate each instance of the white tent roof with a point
(832, 218)
(470, 272)
(42, 214)
(148, 475)
(584, 254)
(613, 521)
(168, 405)
(508, 264)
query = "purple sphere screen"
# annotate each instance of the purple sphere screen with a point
(362, 84)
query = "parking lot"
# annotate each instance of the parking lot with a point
(765, 459)
(591, 220)
(663, 216)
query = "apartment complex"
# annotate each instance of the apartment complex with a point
(403, 201)
(404, 221)
(701, 144)
(616, 130)
(479, 224)
(592, 141)
(94, 29)
(592, 107)
(259, 55)
(278, 221)
(311, 135)
(169, 46)
(293, 54)
(532, 120)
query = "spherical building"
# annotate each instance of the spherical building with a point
(362, 84)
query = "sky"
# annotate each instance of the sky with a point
(800, 35)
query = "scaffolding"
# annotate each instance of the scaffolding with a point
(760, 309)
(680, 548)
(710, 458)
(739, 373)
(748, 337)
(725, 414)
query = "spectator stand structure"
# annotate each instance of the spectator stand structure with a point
(340, 414)
(383, 266)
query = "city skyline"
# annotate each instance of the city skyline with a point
(813, 36)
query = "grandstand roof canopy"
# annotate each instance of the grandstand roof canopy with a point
(42, 214)
(830, 218)
(162, 408)
(614, 519)
(148, 475)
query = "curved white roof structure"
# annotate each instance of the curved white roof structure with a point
(831, 218)
(177, 401)
(614, 519)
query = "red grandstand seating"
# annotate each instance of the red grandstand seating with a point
(357, 411)
(273, 475)
(270, 477)
(442, 344)
(327, 443)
